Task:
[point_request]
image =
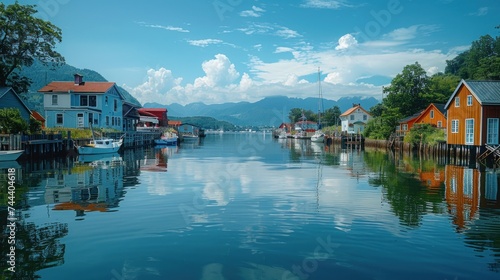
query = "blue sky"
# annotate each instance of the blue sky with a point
(217, 51)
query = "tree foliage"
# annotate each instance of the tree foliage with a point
(295, 115)
(480, 62)
(382, 127)
(424, 134)
(407, 89)
(331, 116)
(24, 38)
(11, 121)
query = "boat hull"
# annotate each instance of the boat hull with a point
(10, 155)
(97, 151)
(167, 142)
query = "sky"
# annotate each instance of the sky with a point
(217, 51)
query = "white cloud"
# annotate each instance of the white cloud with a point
(169, 28)
(480, 12)
(270, 29)
(412, 32)
(254, 12)
(325, 4)
(204, 42)
(157, 84)
(218, 72)
(283, 49)
(346, 41)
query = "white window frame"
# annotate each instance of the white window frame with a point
(439, 124)
(57, 119)
(457, 101)
(469, 131)
(54, 99)
(469, 100)
(492, 125)
(432, 114)
(404, 127)
(454, 126)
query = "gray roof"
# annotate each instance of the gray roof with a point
(486, 92)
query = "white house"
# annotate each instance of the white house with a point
(354, 119)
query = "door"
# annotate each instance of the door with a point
(469, 131)
(79, 120)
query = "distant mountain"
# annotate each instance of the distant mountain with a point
(270, 111)
(41, 75)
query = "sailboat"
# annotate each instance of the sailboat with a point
(100, 146)
(319, 135)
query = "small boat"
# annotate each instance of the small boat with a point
(100, 146)
(10, 155)
(318, 137)
(169, 139)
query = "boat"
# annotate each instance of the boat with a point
(10, 155)
(168, 139)
(319, 136)
(100, 146)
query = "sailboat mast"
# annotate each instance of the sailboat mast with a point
(320, 100)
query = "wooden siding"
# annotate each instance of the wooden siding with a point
(426, 117)
(462, 193)
(461, 113)
(11, 100)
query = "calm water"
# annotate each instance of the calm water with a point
(246, 206)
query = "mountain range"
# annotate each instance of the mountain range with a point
(270, 111)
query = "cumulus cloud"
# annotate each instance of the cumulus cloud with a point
(218, 72)
(347, 41)
(157, 84)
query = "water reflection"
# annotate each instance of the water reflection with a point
(262, 209)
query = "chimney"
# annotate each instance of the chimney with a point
(79, 79)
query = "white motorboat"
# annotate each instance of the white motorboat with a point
(10, 155)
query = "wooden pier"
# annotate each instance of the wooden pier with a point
(61, 144)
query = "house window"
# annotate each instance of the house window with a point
(405, 127)
(54, 99)
(454, 126)
(118, 121)
(352, 117)
(432, 114)
(492, 131)
(79, 120)
(107, 120)
(92, 101)
(457, 101)
(113, 121)
(469, 131)
(59, 118)
(84, 100)
(439, 124)
(365, 117)
(469, 100)
(91, 118)
(115, 104)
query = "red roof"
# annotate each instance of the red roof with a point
(37, 116)
(94, 87)
(153, 110)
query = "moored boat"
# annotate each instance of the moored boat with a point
(168, 139)
(100, 146)
(10, 155)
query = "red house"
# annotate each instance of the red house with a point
(158, 113)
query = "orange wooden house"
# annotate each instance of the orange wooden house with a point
(434, 114)
(406, 124)
(473, 114)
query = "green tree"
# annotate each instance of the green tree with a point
(382, 127)
(332, 116)
(34, 125)
(481, 61)
(295, 115)
(11, 121)
(407, 89)
(424, 134)
(440, 88)
(23, 39)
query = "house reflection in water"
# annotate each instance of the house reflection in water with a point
(88, 186)
(468, 190)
